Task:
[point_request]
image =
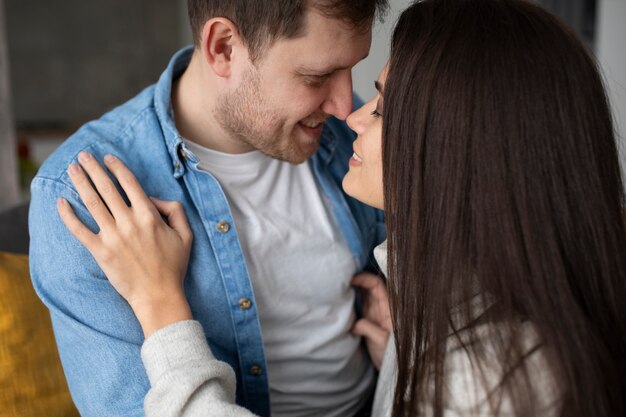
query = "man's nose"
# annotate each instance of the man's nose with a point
(339, 101)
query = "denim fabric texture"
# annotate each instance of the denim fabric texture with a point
(98, 336)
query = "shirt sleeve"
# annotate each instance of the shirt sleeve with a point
(98, 337)
(186, 378)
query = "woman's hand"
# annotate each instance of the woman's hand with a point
(144, 258)
(375, 325)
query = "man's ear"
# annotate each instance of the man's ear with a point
(220, 38)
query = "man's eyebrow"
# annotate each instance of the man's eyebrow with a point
(324, 71)
(379, 87)
(315, 72)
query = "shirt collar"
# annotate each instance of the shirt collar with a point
(328, 144)
(163, 106)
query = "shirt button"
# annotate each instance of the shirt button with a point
(245, 303)
(256, 370)
(223, 227)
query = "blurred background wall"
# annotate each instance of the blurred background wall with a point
(72, 60)
(8, 163)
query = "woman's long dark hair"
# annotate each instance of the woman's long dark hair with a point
(512, 193)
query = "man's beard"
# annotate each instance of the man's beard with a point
(247, 117)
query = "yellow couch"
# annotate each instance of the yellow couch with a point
(32, 383)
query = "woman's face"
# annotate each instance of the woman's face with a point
(364, 180)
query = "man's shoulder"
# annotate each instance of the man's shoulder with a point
(114, 131)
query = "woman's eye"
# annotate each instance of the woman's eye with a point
(378, 110)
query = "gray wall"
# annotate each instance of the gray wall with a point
(579, 14)
(73, 59)
(366, 72)
(611, 49)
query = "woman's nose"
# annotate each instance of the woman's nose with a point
(355, 120)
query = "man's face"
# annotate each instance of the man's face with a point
(283, 99)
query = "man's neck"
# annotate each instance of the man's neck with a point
(194, 96)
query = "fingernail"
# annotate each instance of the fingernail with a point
(73, 169)
(84, 157)
(109, 158)
(60, 201)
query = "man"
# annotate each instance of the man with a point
(237, 130)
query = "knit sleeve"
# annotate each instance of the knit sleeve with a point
(472, 391)
(186, 380)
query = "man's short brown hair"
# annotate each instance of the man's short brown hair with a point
(261, 22)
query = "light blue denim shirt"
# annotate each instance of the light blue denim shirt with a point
(98, 336)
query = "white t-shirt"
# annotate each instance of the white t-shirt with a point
(300, 267)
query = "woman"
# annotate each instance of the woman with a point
(503, 202)
(496, 164)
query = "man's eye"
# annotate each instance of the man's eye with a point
(316, 80)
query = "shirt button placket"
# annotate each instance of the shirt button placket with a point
(223, 227)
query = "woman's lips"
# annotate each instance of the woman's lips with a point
(355, 160)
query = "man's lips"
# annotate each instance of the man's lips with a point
(312, 124)
(312, 129)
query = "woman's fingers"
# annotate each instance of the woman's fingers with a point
(129, 183)
(369, 330)
(376, 339)
(175, 214)
(75, 226)
(367, 281)
(104, 184)
(375, 299)
(373, 287)
(90, 198)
